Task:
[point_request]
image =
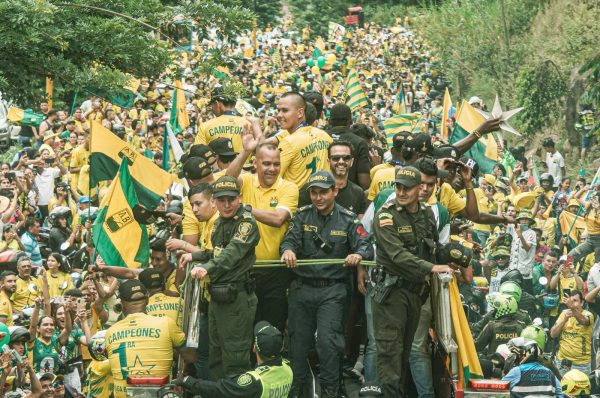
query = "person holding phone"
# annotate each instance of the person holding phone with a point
(565, 281)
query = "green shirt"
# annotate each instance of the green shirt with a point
(45, 357)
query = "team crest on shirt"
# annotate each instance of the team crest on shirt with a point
(274, 201)
(244, 380)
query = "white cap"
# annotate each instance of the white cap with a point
(475, 100)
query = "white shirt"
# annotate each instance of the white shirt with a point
(555, 162)
(593, 278)
(520, 258)
(45, 184)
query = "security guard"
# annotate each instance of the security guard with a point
(322, 230)
(405, 233)
(504, 327)
(229, 265)
(271, 378)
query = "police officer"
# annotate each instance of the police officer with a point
(406, 235)
(504, 327)
(271, 378)
(322, 230)
(229, 265)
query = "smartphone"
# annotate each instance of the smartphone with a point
(80, 304)
(49, 160)
(566, 293)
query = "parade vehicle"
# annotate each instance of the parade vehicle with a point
(355, 17)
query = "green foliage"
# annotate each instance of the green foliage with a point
(266, 11)
(10, 153)
(539, 91)
(317, 14)
(82, 47)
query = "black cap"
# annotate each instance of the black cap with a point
(340, 113)
(321, 179)
(152, 278)
(226, 186)
(315, 98)
(132, 290)
(456, 253)
(200, 151)
(445, 151)
(548, 142)
(267, 339)
(420, 143)
(222, 146)
(195, 169)
(472, 164)
(400, 139)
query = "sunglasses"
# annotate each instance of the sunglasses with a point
(337, 158)
(59, 383)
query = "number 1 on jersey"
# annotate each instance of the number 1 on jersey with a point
(312, 165)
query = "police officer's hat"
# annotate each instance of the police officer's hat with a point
(268, 340)
(455, 253)
(408, 176)
(321, 179)
(226, 186)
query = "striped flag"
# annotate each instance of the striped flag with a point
(399, 106)
(485, 150)
(399, 123)
(355, 96)
(106, 154)
(446, 114)
(117, 236)
(24, 117)
(179, 118)
(170, 146)
(319, 47)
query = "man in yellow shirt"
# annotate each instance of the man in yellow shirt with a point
(225, 125)
(79, 167)
(305, 150)
(274, 201)
(141, 344)
(159, 304)
(9, 284)
(28, 287)
(574, 326)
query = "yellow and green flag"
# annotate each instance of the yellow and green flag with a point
(118, 238)
(468, 361)
(24, 117)
(399, 106)
(399, 123)
(355, 96)
(573, 225)
(106, 154)
(319, 48)
(485, 150)
(179, 118)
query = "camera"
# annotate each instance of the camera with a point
(49, 160)
(10, 175)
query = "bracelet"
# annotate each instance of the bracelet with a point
(470, 188)
(477, 134)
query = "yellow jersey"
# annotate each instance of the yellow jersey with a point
(576, 339)
(6, 309)
(449, 198)
(380, 167)
(59, 284)
(99, 380)
(225, 126)
(592, 221)
(281, 195)
(161, 305)
(141, 344)
(190, 224)
(303, 153)
(170, 281)
(79, 158)
(26, 292)
(384, 179)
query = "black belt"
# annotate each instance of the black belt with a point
(239, 286)
(413, 287)
(320, 282)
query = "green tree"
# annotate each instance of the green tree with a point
(83, 47)
(267, 12)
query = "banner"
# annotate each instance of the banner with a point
(399, 123)
(336, 32)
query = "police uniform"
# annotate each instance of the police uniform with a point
(233, 302)
(405, 253)
(499, 331)
(318, 292)
(272, 378)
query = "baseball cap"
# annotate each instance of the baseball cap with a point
(445, 151)
(321, 179)
(408, 176)
(200, 151)
(226, 186)
(400, 139)
(420, 143)
(195, 169)
(152, 278)
(84, 199)
(222, 146)
(132, 290)
(340, 112)
(456, 253)
(472, 164)
(475, 100)
(267, 339)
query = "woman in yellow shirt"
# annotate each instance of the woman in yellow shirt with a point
(10, 239)
(59, 280)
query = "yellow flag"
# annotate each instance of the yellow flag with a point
(445, 111)
(49, 90)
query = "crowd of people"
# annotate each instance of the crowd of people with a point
(352, 230)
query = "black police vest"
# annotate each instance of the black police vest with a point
(537, 381)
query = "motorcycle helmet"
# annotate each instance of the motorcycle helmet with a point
(97, 346)
(575, 383)
(18, 333)
(524, 349)
(513, 275)
(547, 177)
(504, 305)
(512, 289)
(59, 212)
(535, 333)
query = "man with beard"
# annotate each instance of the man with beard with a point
(9, 285)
